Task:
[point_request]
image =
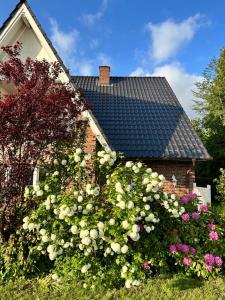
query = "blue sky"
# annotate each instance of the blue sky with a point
(173, 38)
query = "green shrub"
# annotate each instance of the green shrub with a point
(115, 228)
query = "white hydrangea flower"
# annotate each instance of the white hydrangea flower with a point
(112, 222)
(50, 248)
(93, 233)
(53, 237)
(89, 206)
(25, 226)
(76, 158)
(31, 226)
(119, 188)
(135, 228)
(26, 219)
(129, 164)
(55, 276)
(56, 173)
(64, 162)
(125, 224)
(147, 207)
(139, 164)
(148, 229)
(74, 229)
(100, 225)
(150, 218)
(157, 196)
(161, 177)
(37, 188)
(80, 198)
(78, 151)
(45, 238)
(128, 284)
(46, 187)
(154, 175)
(124, 249)
(145, 180)
(85, 268)
(39, 193)
(55, 162)
(115, 247)
(121, 204)
(52, 255)
(86, 241)
(130, 205)
(84, 233)
(43, 231)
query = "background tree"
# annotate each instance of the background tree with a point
(39, 114)
(211, 125)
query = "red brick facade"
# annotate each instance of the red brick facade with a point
(90, 144)
(182, 170)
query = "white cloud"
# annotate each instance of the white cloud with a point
(181, 82)
(140, 72)
(73, 57)
(168, 37)
(103, 59)
(85, 68)
(91, 19)
(65, 42)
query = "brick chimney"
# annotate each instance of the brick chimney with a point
(104, 74)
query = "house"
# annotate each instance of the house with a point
(139, 116)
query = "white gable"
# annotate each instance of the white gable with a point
(24, 28)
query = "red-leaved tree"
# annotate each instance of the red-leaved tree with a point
(36, 115)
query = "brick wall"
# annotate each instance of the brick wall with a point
(90, 144)
(182, 170)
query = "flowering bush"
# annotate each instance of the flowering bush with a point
(115, 227)
(113, 231)
(202, 246)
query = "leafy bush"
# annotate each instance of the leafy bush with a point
(220, 186)
(116, 233)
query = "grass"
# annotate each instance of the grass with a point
(158, 288)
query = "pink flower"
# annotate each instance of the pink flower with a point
(204, 208)
(185, 217)
(146, 266)
(173, 249)
(187, 261)
(218, 261)
(195, 215)
(185, 248)
(179, 246)
(211, 226)
(188, 198)
(209, 259)
(193, 250)
(213, 235)
(208, 267)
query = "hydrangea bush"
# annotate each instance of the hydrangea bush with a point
(101, 219)
(109, 232)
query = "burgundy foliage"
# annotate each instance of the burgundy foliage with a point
(38, 113)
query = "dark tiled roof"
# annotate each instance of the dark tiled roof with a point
(142, 117)
(7, 21)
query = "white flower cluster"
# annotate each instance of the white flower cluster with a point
(91, 227)
(106, 157)
(172, 206)
(92, 189)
